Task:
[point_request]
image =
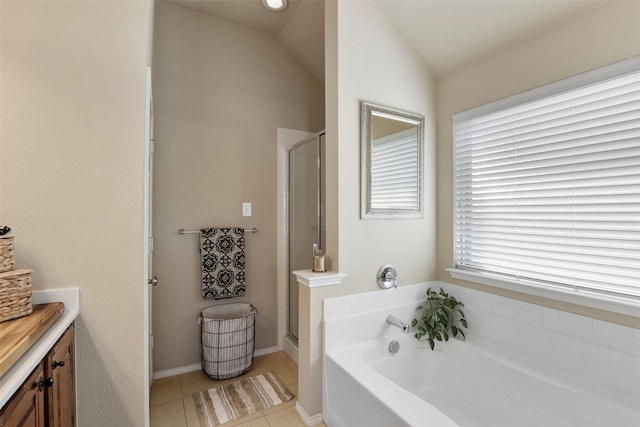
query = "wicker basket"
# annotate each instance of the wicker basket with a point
(7, 260)
(15, 294)
(228, 332)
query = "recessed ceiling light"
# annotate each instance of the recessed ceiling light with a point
(275, 5)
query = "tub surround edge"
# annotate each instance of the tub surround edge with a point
(314, 279)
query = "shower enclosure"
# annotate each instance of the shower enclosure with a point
(306, 215)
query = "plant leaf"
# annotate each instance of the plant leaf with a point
(440, 319)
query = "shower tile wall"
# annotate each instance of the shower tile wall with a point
(619, 338)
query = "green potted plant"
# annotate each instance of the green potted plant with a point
(440, 317)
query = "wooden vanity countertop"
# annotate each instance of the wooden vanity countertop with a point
(18, 335)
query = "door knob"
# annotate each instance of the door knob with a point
(153, 281)
(44, 383)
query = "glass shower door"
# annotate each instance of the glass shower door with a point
(306, 215)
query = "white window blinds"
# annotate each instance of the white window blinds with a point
(548, 191)
(394, 171)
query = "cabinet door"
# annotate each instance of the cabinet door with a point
(59, 365)
(26, 407)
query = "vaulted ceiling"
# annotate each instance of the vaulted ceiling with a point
(447, 34)
(300, 27)
(450, 34)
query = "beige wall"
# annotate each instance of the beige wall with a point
(378, 66)
(367, 61)
(607, 35)
(71, 155)
(220, 93)
(72, 135)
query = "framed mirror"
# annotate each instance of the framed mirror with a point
(391, 165)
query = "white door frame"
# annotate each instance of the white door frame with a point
(287, 138)
(148, 174)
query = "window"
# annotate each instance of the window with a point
(547, 187)
(394, 171)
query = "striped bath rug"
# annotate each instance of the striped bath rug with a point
(245, 397)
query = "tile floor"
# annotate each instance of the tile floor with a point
(171, 403)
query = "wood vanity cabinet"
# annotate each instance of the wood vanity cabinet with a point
(26, 407)
(59, 366)
(47, 397)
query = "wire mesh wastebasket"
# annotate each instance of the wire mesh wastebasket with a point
(228, 339)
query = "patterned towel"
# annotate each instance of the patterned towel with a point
(223, 260)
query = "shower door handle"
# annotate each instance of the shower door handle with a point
(153, 281)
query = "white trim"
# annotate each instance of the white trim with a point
(287, 138)
(268, 350)
(290, 348)
(147, 351)
(314, 280)
(309, 420)
(620, 68)
(626, 306)
(165, 373)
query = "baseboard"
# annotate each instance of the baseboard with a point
(263, 351)
(198, 366)
(176, 371)
(307, 419)
(290, 348)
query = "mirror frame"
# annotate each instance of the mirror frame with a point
(367, 111)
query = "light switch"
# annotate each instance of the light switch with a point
(246, 209)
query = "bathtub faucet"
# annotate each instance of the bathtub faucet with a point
(393, 320)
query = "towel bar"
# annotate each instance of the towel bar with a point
(183, 231)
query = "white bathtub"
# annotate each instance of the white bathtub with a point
(459, 385)
(463, 383)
